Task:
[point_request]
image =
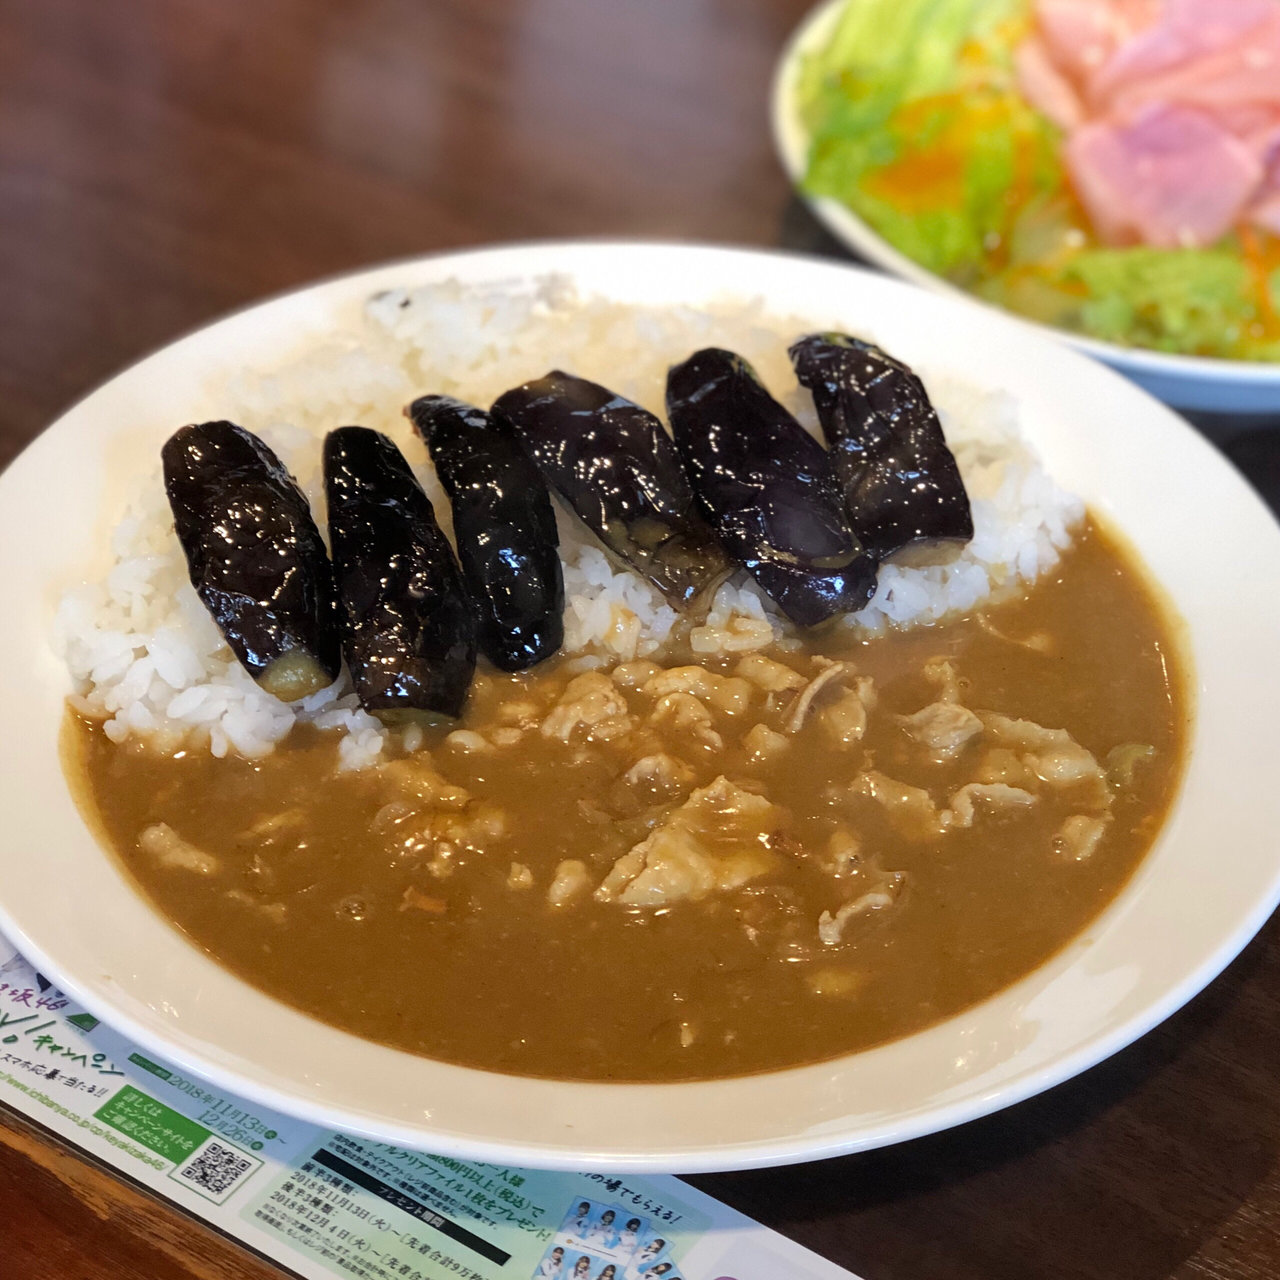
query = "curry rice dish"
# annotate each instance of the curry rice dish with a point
(733, 852)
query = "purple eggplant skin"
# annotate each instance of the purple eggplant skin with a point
(900, 480)
(504, 528)
(255, 556)
(617, 468)
(767, 487)
(408, 626)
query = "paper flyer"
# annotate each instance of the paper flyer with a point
(324, 1205)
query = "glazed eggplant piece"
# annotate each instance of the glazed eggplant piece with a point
(616, 467)
(408, 629)
(255, 556)
(504, 528)
(900, 481)
(767, 487)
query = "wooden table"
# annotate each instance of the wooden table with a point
(162, 161)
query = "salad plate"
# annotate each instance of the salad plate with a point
(1194, 382)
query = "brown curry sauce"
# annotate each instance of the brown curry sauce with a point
(390, 908)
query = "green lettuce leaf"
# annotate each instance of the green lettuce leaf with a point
(1188, 300)
(882, 56)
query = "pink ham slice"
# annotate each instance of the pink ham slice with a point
(1171, 110)
(1243, 74)
(1247, 120)
(1171, 177)
(1263, 141)
(1187, 31)
(1045, 87)
(1264, 211)
(1081, 35)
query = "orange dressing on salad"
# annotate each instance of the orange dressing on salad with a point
(921, 181)
(1262, 257)
(931, 176)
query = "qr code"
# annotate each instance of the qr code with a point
(217, 1169)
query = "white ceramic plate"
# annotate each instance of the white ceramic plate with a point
(1188, 382)
(1208, 885)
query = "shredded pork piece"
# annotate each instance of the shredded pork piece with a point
(943, 728)
(999, 764)
(168, 849)
(441, 834)
(1037, 641)
(570, 881)
(519, 877)
(685, 714)
(716, 841)
(611, 728)
(995, 795)
(272, 823)
(941, 673)
(729, 694)
(1079, 836)
(416, 776)
(589, 702)
(763, 743)
(798, 712)
(1065, 765)
(846, 718)
(276, 912)
(911, 809)
(521, 712)
(472, 829)
(766, 674)
(481, 821)
(843, 854)
(632, 675)
(1053, 755)
(659, 772)
(831, 927)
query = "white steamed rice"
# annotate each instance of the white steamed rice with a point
(149, 662)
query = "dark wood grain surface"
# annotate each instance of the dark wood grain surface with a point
(162, 161)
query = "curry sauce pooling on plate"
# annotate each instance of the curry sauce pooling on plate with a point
(692, 869)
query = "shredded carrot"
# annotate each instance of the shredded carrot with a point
(1262, 257)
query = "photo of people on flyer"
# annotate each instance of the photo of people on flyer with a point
(606, 1242)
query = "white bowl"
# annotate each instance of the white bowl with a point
(1207, 886)
(1188, 382)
